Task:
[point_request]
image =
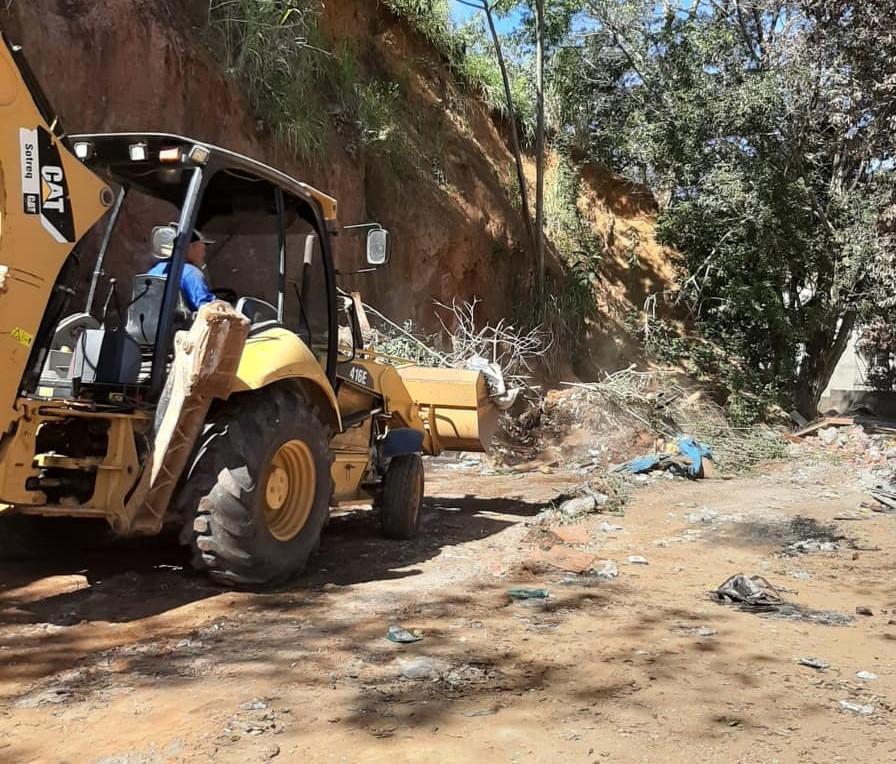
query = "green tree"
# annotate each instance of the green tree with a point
(765, 128)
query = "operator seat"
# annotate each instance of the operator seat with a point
(145, 308)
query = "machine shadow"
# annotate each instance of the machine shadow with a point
(126, 581)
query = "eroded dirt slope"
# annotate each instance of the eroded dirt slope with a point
(447, 194)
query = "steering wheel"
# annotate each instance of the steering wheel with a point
(228, 295)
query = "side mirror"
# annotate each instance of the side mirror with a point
(163, 237)
(377, 246)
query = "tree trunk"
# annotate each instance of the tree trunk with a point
(823, 351)
(539, 150)
(514, 134)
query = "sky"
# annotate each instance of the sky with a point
(461, 13)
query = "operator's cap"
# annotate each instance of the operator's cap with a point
(197, 235)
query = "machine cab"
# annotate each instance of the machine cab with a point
(264, 245)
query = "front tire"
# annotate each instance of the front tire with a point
(257, 494)
(402, 497)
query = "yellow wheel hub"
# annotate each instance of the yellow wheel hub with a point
(289, 489)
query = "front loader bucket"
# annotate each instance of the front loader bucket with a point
(456, 404)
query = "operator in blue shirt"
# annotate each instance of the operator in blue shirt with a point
(193, 286)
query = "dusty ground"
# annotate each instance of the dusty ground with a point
(122, 657)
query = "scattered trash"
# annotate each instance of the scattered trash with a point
(754, 592)
(608, 570)
(684, 457)
(855, 708)
(563, 558)
(863, 610)
(816, 663)
(256, 718)
(866, 676)
(572, 534)
(528, 594)
(705, 631)
(423, 668)
(401, 635)
(806, 546)
(636, 559)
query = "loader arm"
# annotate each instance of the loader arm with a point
(48, 201)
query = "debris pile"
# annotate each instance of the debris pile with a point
(602, 493)
(594, 425)
(865, 441)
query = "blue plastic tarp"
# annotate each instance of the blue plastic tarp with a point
(688, 447)
(641, 464)
(694, 451)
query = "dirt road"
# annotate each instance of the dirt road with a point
(123, 657)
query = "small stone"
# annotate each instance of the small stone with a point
(271, 752)
(329, 587)
(801, 575)
(636, 559)
(863, 610)
(582, 505)
(606, 527)
(705, 631)
(866, 676)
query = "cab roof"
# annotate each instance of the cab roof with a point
(110, 154)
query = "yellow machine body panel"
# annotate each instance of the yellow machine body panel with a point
(116, 472)
(39, 223)
(451, 406)
(277, 354)
(455, 405)
(351, 448)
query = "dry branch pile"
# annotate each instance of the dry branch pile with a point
(628, 413)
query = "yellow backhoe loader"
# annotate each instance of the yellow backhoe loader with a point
(240, 422)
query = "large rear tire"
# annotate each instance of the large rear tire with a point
(402, 497)
(257, 494)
